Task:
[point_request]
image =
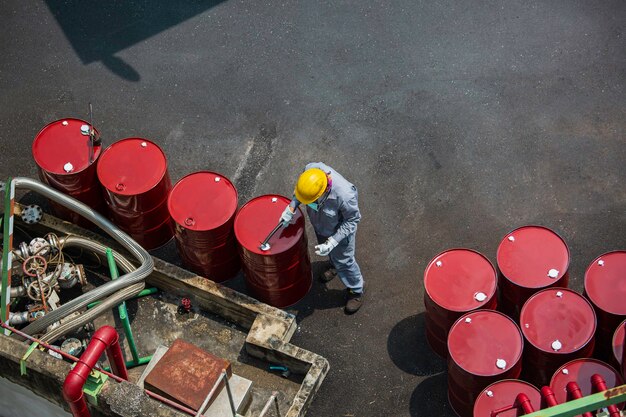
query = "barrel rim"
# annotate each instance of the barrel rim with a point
(113, 190)
(479, 305)
(507, 380)
(97, 149)
(576, 361)
(173, 190)
(561, 273)
(564, 351)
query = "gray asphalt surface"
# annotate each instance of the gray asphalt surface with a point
(457, 121)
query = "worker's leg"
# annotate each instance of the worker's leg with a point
(342, 259)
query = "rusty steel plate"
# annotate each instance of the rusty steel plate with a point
(186, 374)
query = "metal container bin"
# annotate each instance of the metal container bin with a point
(484, 346)
(558, 325)
(133, 173)
(456, 282)
(203, 206)
(66, 161)
(511, 397)
(605, 287)
(529, 259)
(280, 276)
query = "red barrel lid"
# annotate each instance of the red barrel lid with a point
(485, 343)
(61, 147)
(581, 371)
(558, 320)
(618, 341)
(533, 257)
(460, 280)
(202, 201)
(258, 217)
(605, 282)
(131, 166)
(503, 393)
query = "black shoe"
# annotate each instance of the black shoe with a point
(329, 275)
(355, 301)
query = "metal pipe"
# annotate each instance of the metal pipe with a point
(121, 309)
(273, 398)
(201, 410)
(104, 339)
(109, 374)
(230, 394)
(523, 402)
(142, 256)
(574, 393)
(599, 384)
(548, 397)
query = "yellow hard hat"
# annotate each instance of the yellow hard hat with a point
(311, 185)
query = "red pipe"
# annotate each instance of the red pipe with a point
(548, 397)
(574, 393)
(105, 338)
(521, 404)
(114, 377)
(599, 384)
(522, 401)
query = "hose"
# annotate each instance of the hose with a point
(90, 315)
(133, 277)
(124, 265)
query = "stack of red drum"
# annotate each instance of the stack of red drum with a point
(456, 282)
(66, 160)
(133, 173)
(557, 326)
(203, 207)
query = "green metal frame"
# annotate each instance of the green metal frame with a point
(589, 403)
(123, 313)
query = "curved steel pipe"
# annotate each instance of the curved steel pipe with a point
(133, 277)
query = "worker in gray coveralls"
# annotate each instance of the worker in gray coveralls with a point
(332, 204)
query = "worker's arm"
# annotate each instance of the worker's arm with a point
(350, 214)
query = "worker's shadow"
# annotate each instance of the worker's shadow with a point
(321, 296)
(408, 349)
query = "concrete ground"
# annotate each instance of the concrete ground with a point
(458, 121)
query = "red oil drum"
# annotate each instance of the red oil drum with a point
(619, 351)
(503, 399)
(580, 371)
(280, 276)
(66, 161)
(456, 282)
(203, 207)
(133, 173)
(558, 326)
(529, 259)
(605, 287)
(484, 346)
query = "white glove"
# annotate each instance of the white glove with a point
(287, 216)
(326, 247)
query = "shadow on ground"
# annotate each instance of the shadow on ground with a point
(430, 398)
(408, 349)
(98, 31)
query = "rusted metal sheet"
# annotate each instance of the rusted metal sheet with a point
(186, 374)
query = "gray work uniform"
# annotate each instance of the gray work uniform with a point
(337, 217)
